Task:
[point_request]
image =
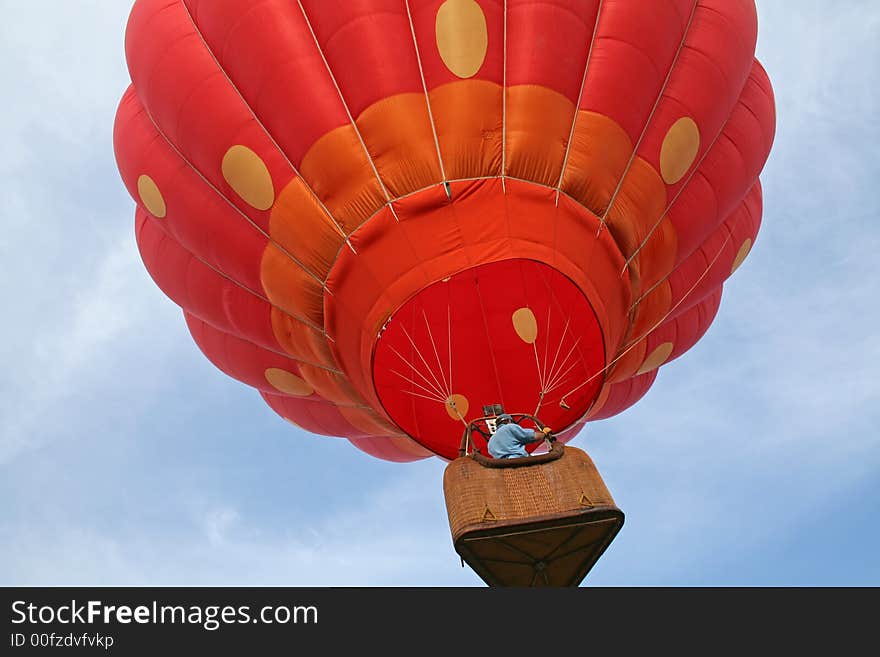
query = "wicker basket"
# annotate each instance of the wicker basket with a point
(530, 521)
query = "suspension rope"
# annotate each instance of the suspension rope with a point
(635, 342)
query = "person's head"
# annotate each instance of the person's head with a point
(502, 419)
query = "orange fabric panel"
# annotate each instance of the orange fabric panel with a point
(641, 199)
(656, 258)
(330, 385)
(601, 263)
(289, 287)
(652, 309)
(629, 360)
(572, 232)
(602, 397)
(300, 340)
(384, 249)
(600, 151)
(300, 226)
(400, 140)
(538, 127)
(436, 229)
(468, 120)
(338, 169)
(369, 421)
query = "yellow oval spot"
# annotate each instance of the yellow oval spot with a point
(741, 255)
(679, 149)
(151, 197)
(462, 37)
(287, 419)
(656, 358)
(248, 175)
(457, 406)
(287, 382)
(525, 325)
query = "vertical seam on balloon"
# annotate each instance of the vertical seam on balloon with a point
(580, 351)
(234, 207)
(624, 350)
(693, 171)
(412, 30)
(489, 341)
(436, 354)
(577, 106)
(504, 109)
(259, 121)
(635, 151)
(347, 110)
(449, 334)
(522, 276)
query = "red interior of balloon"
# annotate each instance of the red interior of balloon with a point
(457, 339)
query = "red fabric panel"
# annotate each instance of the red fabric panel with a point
(685, 330)
(240, 359)
(457, 337)
(197, 217)
(435, 239)
(312, 414)
(192, 101)
(548, 42)
(730, 167)
(381, 447)
(708, 77)
(634, 49)
(267, 49)
(624, 394)
(369, 47)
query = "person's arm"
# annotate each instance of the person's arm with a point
(541, 434)
(529, 435)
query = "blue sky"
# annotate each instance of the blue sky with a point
(126, 458)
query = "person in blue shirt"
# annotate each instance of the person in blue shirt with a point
(509, 440)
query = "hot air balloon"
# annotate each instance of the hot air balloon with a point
(395, 218)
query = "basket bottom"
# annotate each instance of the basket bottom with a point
(558, 551)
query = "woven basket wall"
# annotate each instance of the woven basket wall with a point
(478, 497)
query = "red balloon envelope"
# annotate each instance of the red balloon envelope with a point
(386, 214)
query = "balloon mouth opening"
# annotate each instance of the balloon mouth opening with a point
(516, 332)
